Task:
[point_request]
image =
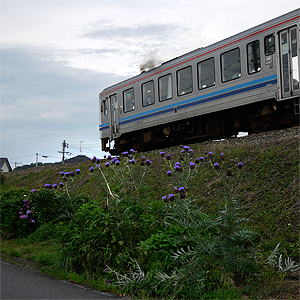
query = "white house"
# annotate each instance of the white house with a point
(5, 165)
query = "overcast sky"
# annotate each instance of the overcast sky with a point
(58, 55)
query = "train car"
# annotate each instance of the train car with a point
(248, 82)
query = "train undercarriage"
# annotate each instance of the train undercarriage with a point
(254, 118)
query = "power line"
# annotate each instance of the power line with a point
(23, 156)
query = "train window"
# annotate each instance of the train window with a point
(104, 107)
(148, 93)
(295, 69)
(184, 81)
(231, 65)
(128, 98)
(165, 87)
(253, 55)
(269, 44)
(206, 73)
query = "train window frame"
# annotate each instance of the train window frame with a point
(146, 93)
(234, 73)
(181, 90)
(127, 107)
(202, 86)
(253, 67)
(105, 107)
(169, 94)
(267, 47)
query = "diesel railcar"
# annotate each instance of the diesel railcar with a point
(248, 82)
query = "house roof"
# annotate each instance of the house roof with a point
(4, 160)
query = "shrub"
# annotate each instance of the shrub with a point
(11, 224)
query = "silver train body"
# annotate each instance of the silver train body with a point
(248, 82)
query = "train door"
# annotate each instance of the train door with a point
(114, 117)
(289, 62)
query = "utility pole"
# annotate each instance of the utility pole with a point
(80, 147)
(64, 146)
(17, 163)
(36, 160)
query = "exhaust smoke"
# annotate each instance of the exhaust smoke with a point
(150, 61)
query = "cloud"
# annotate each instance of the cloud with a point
(44, 101)
(142, 30)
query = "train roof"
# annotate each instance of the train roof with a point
(197, 52)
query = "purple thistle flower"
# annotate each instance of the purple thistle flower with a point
(92, 169)
(168, 157)
(164, 198)
(125, 153)
(201, 158)
(169, 173)
(177, 163)
(222, 155)
(72, 174)
(67, 174)
(216, 166)
(177, 168)
(162, 154)
(133, 161)
(94, 159)
(182, 151)
(107, 164)
(192, 165)
(62, 174)
(197, 161)
(143, 158)
(54, 185)
(78, 171)
(240, 165)
(132, 151)
(61, 184)
(181, 189)
(210, 154)
(33, 191)
(175, 189)
(117, 162)
(186, 148)
(148, 162)
(171, 197)
(109, 157)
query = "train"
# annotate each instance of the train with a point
(245, 83)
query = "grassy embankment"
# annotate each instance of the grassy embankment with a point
(269, 189)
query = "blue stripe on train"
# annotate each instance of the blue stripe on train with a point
(238, 89)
